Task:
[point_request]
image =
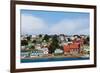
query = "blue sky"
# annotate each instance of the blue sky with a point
(52, 22)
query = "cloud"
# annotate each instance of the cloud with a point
(32, 25)
(71, 26)
(84, 31)
(35, 25)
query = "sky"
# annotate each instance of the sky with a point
(52, 22)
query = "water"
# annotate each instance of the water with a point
(50, 59)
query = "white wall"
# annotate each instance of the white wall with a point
(5, 36)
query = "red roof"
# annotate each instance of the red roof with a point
(67, 48)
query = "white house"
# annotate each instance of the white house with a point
(23, 47)
(45, 50)
(58, 51)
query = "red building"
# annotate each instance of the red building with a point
(72, 48)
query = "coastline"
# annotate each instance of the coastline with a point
(52, 59)
(63, 56)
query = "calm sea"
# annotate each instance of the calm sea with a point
(50, 59)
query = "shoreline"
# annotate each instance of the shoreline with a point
(64, 56)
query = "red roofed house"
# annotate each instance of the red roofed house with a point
(73, 48)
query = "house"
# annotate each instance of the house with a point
(23, 47)
(66, 48)
(23, 37)
(58, 51)
(45, 50)
(33, 36)
(35, 53)
(75, 48)
(72, 48)
(61, 37)
(24, 54)
(79, 40)
(38, 46)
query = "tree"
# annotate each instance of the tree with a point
(69, 39)
(24, 42)
(34, 41)
(54, 45)
(88, 38)
(29, 38)
(46, 38)
(86, 41)
(40, 35)
(32, 47)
